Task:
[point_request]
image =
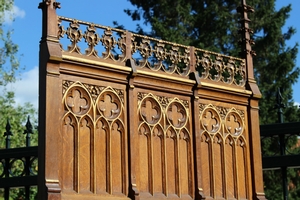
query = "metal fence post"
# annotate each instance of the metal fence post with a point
(280, 106)
(7, 134)
(28, 131)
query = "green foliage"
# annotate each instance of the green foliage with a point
(16, 114)
(213, 25)
(9, 62)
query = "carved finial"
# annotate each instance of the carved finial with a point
(279, 99)
(245, 30)
(44, 3)
(28, 131)
(279, 105)
(8, 129)
(246, 50)
(48, 3)
(7, 134)
(56, 5)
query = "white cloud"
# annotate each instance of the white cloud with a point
(297, 104)
(16, 12)
(26, 89)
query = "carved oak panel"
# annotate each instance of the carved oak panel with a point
(165, 146)
(94, 140)
(223, 152)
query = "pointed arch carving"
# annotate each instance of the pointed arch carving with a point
(241, 155)
(158, 159)
(169, 148)
(185, 161)
(223, 136)
(218, 162)
(99, 143)
(117, 157)
(70, 131)
(101, 158)
(230, 167)
(85, 155)
(207, 164)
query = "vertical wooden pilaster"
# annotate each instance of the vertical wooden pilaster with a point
(253, 107)
(49, 106)
(133, 155)
(196, 127)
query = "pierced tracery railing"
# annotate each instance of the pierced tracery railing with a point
(153, 54)
(112, 39)
(158, 55)
(220, 68)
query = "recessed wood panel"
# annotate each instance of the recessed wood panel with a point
(145, 162)
(69, 134)
(95, 135)
(218, 167)
(207, 175)
(158, 163)
(230, 168)
(84, 155)
(116, 159)
(242, 175)
(101, 162)
(184, 163)
(171, 165)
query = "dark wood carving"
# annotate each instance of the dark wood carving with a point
(125, 116)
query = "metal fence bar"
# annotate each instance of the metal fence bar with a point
(280, 131)
(25, 154)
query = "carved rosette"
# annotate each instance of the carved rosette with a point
(210, 120)
(78, 101)
(109, 105)
(234, 123)
(176, 115)
(151, 111)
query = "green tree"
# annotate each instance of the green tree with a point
(9, 62)
(213, 25)
(16, 114)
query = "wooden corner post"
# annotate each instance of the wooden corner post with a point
(49, 106)
(253, 107)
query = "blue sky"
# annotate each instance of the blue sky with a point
(27, 33)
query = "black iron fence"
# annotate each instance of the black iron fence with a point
(280, 151)
(18, 166)
(280, 148)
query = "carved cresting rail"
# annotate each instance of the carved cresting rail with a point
(127, 116)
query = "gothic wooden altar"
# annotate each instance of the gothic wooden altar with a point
(125, 116)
